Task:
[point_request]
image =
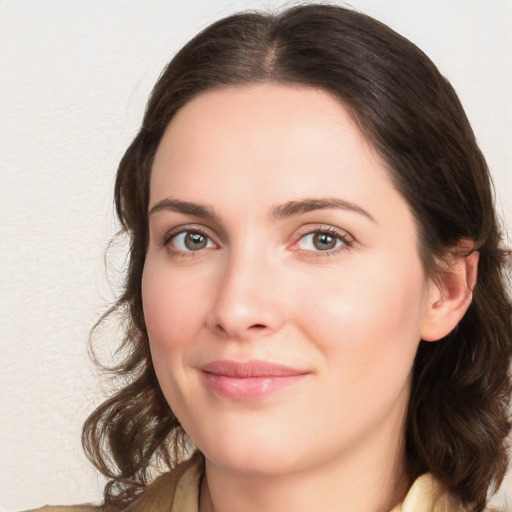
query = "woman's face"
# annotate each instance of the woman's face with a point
(283, 292)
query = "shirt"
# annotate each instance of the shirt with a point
(178, 491)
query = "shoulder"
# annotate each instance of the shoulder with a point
(174, 491)
(70, 508)
(428, 494)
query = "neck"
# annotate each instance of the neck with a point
(370, 478)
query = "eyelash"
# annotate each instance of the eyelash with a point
(346, 241)
(174, 233)
(341, 236)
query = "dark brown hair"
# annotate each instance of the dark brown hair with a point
(457, 419)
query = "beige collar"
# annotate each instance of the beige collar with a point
(182, 485)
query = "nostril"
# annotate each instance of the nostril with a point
(220, 329)
(257, 326)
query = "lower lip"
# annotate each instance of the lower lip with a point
(248, 388)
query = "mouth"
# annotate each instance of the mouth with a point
(249, 380)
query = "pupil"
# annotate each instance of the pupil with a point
(324, 241)
(195, 241)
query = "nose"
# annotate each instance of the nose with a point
(248, 299)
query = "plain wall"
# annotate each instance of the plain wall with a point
(74, 79)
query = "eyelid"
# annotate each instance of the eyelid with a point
(346, 239)
(184, 228)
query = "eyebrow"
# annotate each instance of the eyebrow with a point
(292, 208)
(175, 205)
(280, 211)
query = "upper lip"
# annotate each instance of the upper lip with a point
(247, 369)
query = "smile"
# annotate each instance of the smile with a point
(250, 380)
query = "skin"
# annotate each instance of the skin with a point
(261, 287)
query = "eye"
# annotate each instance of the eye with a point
(187, 241)
(326, 240)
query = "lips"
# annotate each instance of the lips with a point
(249, 380)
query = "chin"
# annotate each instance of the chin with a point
(250, 463)
(256, 454)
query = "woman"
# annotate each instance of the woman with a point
(316, 288)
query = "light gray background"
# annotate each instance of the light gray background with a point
(74, 79)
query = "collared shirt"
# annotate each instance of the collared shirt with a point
(178, 491)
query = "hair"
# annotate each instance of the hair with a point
(457, 420)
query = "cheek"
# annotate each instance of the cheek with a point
(172, 304)
(367, 321)
(170, 314)
(171, 308)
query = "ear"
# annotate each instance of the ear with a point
(450, 291)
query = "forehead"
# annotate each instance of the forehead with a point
(264, 131)
(260, 99)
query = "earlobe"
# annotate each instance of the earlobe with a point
(451, 291)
